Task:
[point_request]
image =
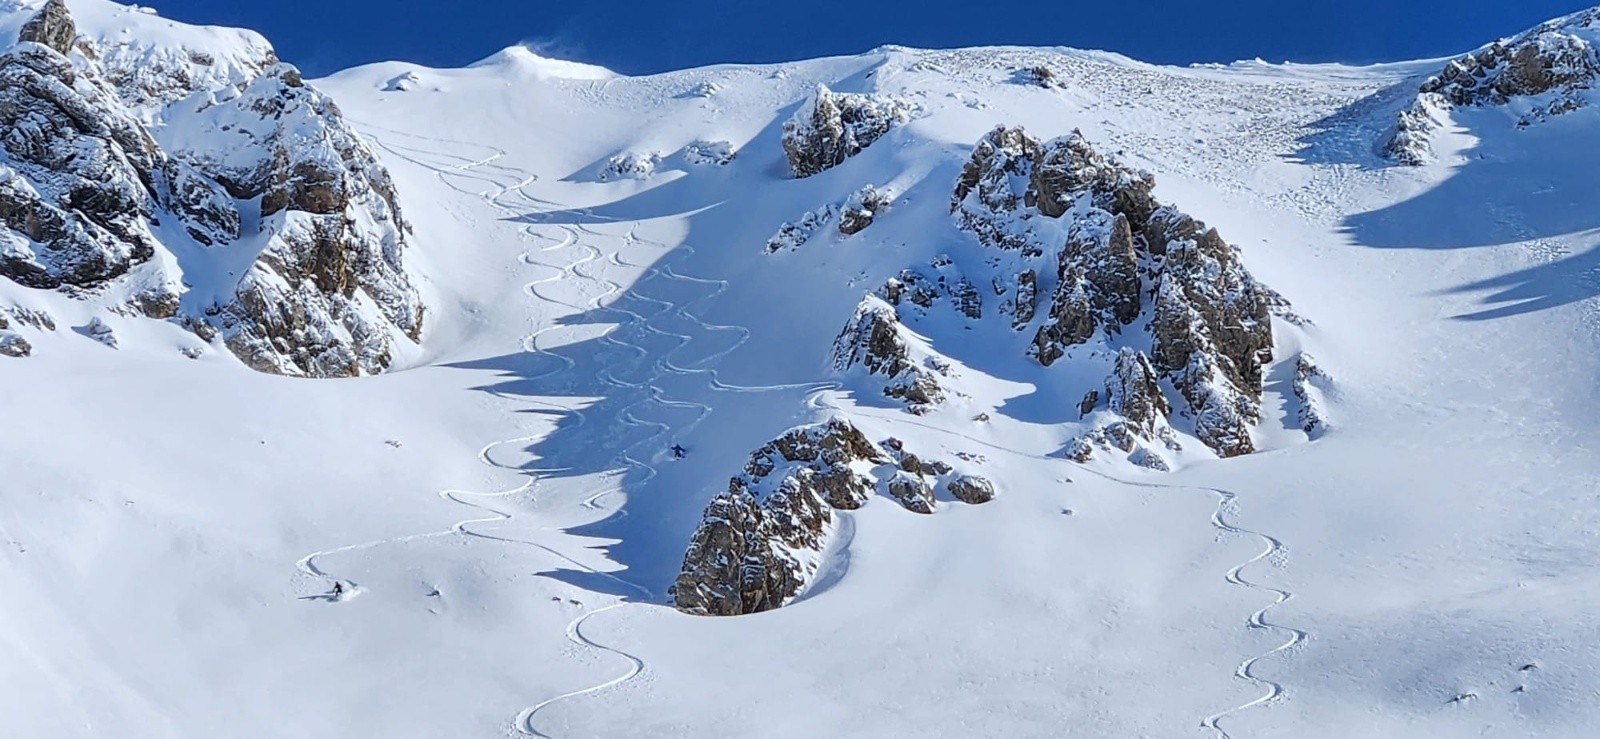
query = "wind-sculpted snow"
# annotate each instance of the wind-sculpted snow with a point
(761, 543)
(107, 136)
(1549, 70)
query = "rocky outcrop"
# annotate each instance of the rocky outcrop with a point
(13, 345)
(830, 127)
(1136, 418)
(851, 216)
(1114, 246)
(79, 176)
(1097, 289)
(1551, 68)
(877, 343)
(1310, 388)
(631, 165)
(101, 331)
(861, 209)
(52, 26)
(83, 183)
(943, 282)
(760, 543)
(329, 296)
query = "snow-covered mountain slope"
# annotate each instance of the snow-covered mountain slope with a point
(632, 299)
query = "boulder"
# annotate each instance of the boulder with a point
(971, 489)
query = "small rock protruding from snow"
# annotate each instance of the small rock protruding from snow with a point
(631, 165)
(100, 331)
(1039, 75)
(403, 83)
(830, 127)
(701, 153)
(971, 489)
(1310, 388)
(13, 345)
(912, 491)
(861, 208)
(793, 235)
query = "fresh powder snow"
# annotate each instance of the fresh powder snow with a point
(600, 295)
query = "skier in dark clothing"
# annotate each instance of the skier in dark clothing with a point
(678, 452)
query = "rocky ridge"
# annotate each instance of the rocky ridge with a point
(1551, 67)
(129, 168)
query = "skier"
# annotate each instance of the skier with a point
(678, 452)
(338, 589)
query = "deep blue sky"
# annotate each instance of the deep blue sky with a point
(639, 36)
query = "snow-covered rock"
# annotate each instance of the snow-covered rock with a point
(1550, 70)
(876, 342)
(13, 345)
(762, 542)
(106, 136)
(632, 165)
(1113, 244)
(830, 127)
(702, 153)
(860, 209)
(100, 331)
(1311, 385)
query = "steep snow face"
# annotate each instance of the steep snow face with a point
(664, 377)
(283, 232)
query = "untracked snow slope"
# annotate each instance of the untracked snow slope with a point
(482, 544)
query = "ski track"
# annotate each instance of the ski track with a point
(816, 400)
(1273, 691)
(487, 170)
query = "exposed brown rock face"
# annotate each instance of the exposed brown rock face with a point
(986, 203)
(876, 341)
(761, 542)
(831, 127)
(1533, 64)
(51, 26)
(81, 174)
(1210, 325)
(1098, 286)
(1549, 62)
(338, 235)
